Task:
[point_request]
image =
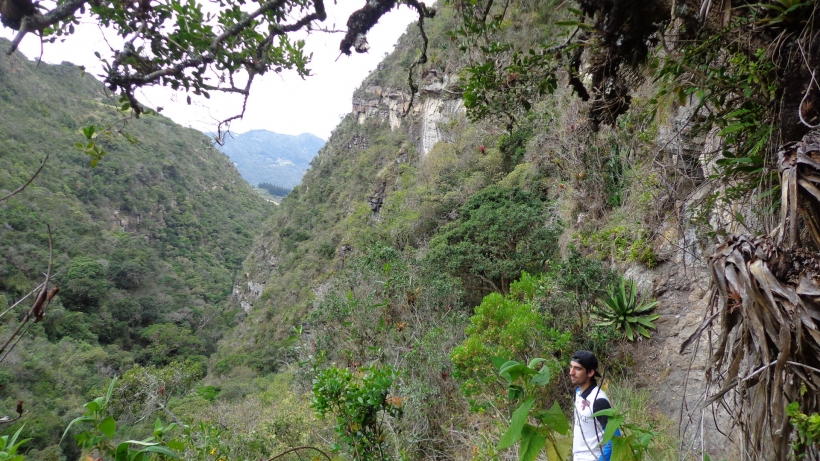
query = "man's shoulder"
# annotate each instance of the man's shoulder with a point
(601, 401)
(600, 394)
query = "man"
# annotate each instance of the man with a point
(589, 398)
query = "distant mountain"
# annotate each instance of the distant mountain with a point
(265, 156)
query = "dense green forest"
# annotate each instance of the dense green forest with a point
(147, 243)
(593, 165)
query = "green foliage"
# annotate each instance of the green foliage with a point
(632, 444)
(503, 78)
(275, 190)
(494, 89)
(737, 85)
(9, 446)
(143, 390)
(622, 242)
(155, 233)
(807, 428)
(359, 403)
(642, 415)
(584, 279)
(522, 383)
(514, 146)
(628, 312)
(500, 232)
(99, 438)
(385, 302)
(509, 326)
(84, 285)
(208, 393)
(168, 341)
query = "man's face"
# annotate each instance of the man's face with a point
(579, 375)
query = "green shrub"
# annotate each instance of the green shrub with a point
(807, 428)
(500, 232)
(506, 326)
(359, 404)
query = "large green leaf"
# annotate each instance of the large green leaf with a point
(646, 307)
(555, 419)
(535, 362)
(513, 371)
(532, 442)
(499, 362)
(646, 321)
(628, 330)
(92, 406)
(558, 449)
(108, 426)
(519, 418)
(612, 425)
(620, 449)
(81, 419)
(543, 377)
(161, 449)
(121, 454)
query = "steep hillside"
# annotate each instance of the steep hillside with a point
(147, 242)
(265, 157)
(551, 151)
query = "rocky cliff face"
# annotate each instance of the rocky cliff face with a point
(437, 103)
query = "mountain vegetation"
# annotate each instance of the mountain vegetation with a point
(460, 235)
(146, 244)
(276, 159)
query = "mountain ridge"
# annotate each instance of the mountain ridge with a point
(264, 156)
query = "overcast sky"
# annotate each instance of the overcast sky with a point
(280, 103)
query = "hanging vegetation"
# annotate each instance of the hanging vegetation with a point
(767, 301)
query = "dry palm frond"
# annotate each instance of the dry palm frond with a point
(768, 303)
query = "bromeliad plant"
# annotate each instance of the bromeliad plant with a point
(523, 382)
(627, 312)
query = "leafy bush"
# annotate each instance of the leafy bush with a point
(272, 189)
(807, 428)
(500, 232)
(522, 382)
(100, 435)
(584, 280)
(359, 404)
(506, 326)
(514, 146)
(168, 341)
(628, 312)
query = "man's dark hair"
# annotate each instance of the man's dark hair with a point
(587, 360)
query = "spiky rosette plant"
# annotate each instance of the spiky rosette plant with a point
(628, 312)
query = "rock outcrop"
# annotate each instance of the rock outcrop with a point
(438, 102)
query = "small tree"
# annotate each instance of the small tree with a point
(359, 404)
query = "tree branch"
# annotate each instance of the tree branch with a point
(37, 22)
(361, 21)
